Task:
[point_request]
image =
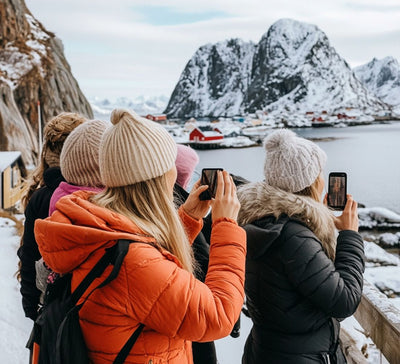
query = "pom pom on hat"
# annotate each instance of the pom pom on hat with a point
(134, 149)
(79, 160)
(292, 163)
(54, 134)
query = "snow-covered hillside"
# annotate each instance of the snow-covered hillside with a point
(382, 78)
(292, 68)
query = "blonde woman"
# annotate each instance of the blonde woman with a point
(156, 285)
(301, 277)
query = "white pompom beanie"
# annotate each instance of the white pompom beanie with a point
(134, 149)
(292, 163)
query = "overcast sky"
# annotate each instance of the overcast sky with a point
(140, 47)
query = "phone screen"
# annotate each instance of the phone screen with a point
(209, 177)
(337, 191)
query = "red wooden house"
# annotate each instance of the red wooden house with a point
(197, 135)
(157, 117)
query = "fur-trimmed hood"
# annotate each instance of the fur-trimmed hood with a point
(259, 200)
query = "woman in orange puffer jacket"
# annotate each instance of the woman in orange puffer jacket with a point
(156, 285)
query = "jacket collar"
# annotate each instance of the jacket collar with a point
(77, 228)
(259, 200)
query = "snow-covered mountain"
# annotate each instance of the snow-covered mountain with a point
(214, 82)
(292, 68)
(381, 78)
(142, 105)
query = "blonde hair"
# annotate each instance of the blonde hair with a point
(312, 191)
(150, 207)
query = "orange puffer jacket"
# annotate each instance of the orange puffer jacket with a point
(151, 287)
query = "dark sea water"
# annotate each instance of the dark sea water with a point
(370, 155)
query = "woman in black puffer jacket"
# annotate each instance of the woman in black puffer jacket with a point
(301, 276)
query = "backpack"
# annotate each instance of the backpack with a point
(57, 337)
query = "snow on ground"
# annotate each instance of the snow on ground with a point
(15, 328)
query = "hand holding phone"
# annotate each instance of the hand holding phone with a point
(337, 190)
(226, 203)
(209, 177)
(348, 220)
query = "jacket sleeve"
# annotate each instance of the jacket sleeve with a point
(28, 253)
(177, 304)
(191, 225)
(335, 288)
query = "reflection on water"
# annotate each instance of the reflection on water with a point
(370, 155)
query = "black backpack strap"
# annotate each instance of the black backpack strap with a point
(115, 255)
(123, 354)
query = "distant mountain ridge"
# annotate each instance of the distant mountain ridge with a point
(142, 105)
(292, 68)
(381, 78)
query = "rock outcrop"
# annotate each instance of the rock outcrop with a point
(214, 81)
(33, 69)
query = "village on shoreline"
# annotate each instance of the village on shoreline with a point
(250, 130)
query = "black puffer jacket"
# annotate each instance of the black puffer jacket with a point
(203, 353)
(28, 253)
(294, 292)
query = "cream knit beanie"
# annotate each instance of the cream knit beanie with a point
(292, 163)
(134, 149)
(79, 159)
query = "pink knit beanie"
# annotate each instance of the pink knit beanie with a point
(186, 161)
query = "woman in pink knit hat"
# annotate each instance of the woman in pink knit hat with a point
(186, 162)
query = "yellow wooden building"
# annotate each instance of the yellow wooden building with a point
(12, 172)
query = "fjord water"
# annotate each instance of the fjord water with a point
(370, 155)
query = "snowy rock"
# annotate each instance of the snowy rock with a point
(376, 256)
(214, 81)
(386, 279)
(388, 240)
(32, 68)
(377, 217)
(381, 78)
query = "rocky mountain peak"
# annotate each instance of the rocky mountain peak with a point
(32, 68)
(292, 68)
(214, 80)
(288, 40)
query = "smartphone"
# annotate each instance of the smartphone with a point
(337, 190)
(209, 177)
